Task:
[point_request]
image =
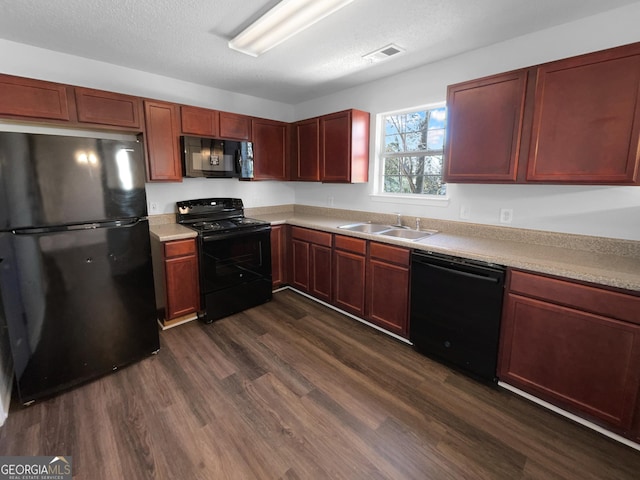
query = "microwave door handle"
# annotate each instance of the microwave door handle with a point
(238, 162)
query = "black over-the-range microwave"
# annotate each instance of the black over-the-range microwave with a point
(216, 158)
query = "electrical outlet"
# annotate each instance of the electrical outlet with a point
(153, 207)
(506, 215)
(330, 201)
(465, 212)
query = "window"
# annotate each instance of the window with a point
(412, 152)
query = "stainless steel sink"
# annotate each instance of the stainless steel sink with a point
(408, 234)
(374, 228)
(388, 230)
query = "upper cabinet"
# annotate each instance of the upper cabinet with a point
(484, 127)
(344, 147)
(199, 121)
(108, 108)
(574, 121)
(586, 119)
(234, 126)
(162, 142)
(24, 97)
(47, 101)
(269, 149)
(306, 139)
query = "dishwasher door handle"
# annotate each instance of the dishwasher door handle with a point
(463, 274)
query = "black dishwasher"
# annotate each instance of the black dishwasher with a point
(456, 305)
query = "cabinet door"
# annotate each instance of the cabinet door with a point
(583, 362)
(234, 126)
(320, 277)
(278, 255)
(344, 147)
(307, 151)
(24, 97)
(349, 281)
(388, 296)
(107, 108)
(484, 125)
(300, 267)
(388, 287)
(269, 150)
(183, 296)
(162, 142)
(586, 120)
(199, 121)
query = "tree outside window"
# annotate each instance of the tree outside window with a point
(413, 152)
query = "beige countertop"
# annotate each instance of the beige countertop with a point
(614, 265)
(171, 231)
(604, 261)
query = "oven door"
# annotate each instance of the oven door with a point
(235, 271)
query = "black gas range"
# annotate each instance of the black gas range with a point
(234, 255)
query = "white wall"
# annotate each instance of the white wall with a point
(603, 211)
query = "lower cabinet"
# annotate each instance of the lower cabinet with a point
(574, 345)
(349, 274)
(371, 280)
(311, 262)
(388, 287)
(176, 280)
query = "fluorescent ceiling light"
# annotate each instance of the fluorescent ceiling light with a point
(282, 22)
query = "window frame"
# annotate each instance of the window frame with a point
(377, 193)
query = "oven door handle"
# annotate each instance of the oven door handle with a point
(242, 233)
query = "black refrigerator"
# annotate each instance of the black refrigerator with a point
(76, 280)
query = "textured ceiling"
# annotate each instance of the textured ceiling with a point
(187, 39)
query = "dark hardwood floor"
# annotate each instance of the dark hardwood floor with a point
(293, 390)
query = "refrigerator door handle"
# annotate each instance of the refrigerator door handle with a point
(127, 223)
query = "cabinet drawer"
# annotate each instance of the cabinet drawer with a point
(594, 299)
(398, 255)
(350, 244)
(179, 248)
(312, 236)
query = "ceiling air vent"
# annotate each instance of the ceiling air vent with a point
(383, 53)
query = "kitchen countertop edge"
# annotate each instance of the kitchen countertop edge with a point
(602, 269)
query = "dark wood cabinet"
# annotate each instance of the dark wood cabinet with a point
(388, 287)
(175, 271)
(162, 142)
(573, 121)
(278, 255)
(306, 139)
(199, 121)
(311, 262)
(574, 345)
(234, 126)
(108, 108)
(484, 128)
(270, 140)
(586, 119)
(344, 147)
(349, 274)
(25, 97)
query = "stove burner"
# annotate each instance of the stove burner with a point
(212, 216)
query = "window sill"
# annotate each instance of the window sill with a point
(431, 201)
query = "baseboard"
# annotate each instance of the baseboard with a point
(571, 416)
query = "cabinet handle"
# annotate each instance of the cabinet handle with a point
(463, 274)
